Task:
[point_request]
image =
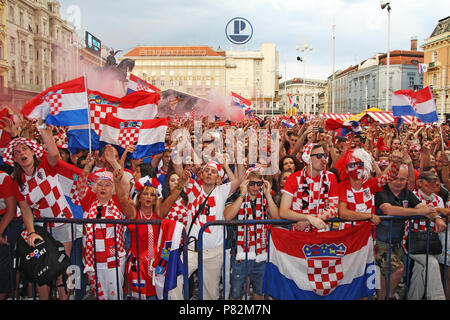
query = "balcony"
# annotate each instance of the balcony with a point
(434, 65)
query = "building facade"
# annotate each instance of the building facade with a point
(205, 72)
(305, 93)
(363, 86)
(436, 58)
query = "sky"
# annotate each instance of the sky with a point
(361, 27)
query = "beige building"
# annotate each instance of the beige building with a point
(197, 70)
(254, 76)
(436, 58)
(4, 67)
(205, 72)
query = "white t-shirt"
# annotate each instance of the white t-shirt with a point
(213, 236)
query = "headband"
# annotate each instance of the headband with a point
(33, 145)
(216, 166)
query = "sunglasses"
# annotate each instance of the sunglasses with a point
(352, 165)
(320, 155)
(257, 183)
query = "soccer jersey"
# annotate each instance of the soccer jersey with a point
(311, 196)
(215, 205)
(43, 193)
(6, 190)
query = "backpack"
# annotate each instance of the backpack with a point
(45, 262)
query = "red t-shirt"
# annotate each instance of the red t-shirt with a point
(6, 190)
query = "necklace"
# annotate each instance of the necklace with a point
(145, 216)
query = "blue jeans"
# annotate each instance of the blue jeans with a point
(240, 272)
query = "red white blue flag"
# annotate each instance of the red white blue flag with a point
(64, 104)
(137, 105)
(332, 265)
(167, 264)
(137, 84)
(415, 103)
(148, 135)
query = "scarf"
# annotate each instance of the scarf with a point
(311, 193)
(105, 256)
(251, 239)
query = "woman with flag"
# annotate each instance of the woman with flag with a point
(143, 237)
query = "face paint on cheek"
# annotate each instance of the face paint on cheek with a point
(356, 174)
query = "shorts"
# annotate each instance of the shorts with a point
(239, 270)
(382, 257)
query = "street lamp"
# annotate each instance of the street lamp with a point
(306, 47)
(387, 5)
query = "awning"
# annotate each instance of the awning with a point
(387, 117)
(336, 116)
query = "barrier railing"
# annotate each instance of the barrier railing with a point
(47, 221)
(287, 222)
(137, 223)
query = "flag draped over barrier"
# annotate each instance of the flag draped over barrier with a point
(333, 265)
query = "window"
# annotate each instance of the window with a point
(1, 50)
(411, 82)
(435, 56)
(12, 43)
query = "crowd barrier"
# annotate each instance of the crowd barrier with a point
(199, 244)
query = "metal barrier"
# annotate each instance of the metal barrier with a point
(287, 222)
(224, 223)
(137, 223)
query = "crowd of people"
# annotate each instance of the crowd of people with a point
(319, 176)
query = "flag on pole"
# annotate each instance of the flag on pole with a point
(420, 104)
(137, 84)
(422, 67)
(139, 105)
(332, 265)
(240, 102)
(64, 104)
(148, 135)
(291, 102)
(167, 265)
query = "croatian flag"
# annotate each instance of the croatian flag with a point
(240, 101)
(5, 137)
(168, 265)
(148, 135)
(291, 102)
(68, 176)
(287, 122)
(137, 84)
(420, 104)
(136, 105)
(333, 265)
(422, 67)
(64, 104)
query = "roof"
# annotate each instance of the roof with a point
(174, 51)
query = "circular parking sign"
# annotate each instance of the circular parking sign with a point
(239, 30)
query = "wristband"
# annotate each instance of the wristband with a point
(242, 196)
(437, 217)
(42, 126)
(31, 233)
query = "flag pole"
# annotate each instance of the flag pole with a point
(88, 112)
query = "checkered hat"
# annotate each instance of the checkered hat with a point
(33, 145)
(215, 165)
(255, 167)
(105, 175)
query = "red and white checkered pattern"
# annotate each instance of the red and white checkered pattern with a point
(105, 238)
(421, 225)
(324, 275)
(179, 212)
(128, 137)
(98, 116)
(54, 99)
(44, 194)
(33, 145)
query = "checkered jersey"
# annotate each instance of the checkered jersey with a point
(179, 212)
(43, 193)
(421, 225)
(107, 237)
(6, 190)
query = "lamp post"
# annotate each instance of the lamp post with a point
(306, 47)
(387, 5)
